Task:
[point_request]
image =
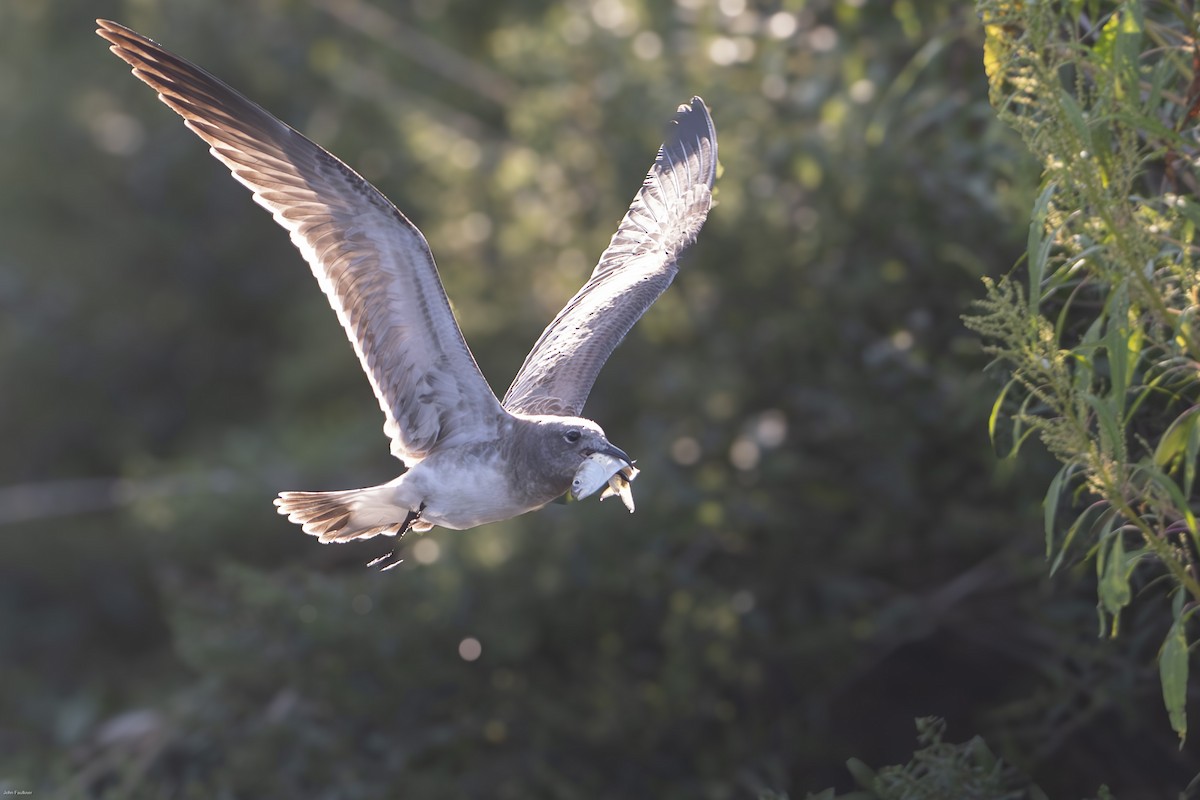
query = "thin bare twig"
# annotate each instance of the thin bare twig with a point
(450, 64)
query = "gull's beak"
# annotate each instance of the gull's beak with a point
(615, 452)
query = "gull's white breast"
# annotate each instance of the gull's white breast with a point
(461, 488)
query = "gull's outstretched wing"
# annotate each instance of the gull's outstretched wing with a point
(637, 267)
(372, 263)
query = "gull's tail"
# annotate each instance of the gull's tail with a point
(348, 515)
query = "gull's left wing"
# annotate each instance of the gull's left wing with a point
(373, 264)
(637, 267)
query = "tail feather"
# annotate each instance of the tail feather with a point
(346, 515)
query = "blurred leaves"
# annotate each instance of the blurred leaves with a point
(939, 770)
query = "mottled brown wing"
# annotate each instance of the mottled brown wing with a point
(372, 263)
(637, 267)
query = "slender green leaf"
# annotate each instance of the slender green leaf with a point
(1106, 516)
(1084, 356)
(1175, 442)
(1074, 115)
(1116, 345)
(1114, 589)
(1112, 439)
(996, 406)
(1191, 451)
(1119, 45)
(1173, 674)
(1050, 504)
(1039, 245)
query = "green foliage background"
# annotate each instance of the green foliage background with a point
(825, 547)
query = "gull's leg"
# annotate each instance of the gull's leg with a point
(409, 521)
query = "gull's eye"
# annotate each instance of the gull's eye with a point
(572, 436)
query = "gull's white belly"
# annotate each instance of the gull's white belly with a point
(460, 492)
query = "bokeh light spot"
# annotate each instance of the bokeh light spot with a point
(774, 87)
(782, 24)
(862, 90)
(685, 451)
(744, 454)
(469, 649)
(426, 551)
(476, 227)
(823, 39)
(647, 45)
(722, 51)
(742, 601)
(612, 15)
(731, 8)
(771, 428)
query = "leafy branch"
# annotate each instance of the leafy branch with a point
(1097, 333)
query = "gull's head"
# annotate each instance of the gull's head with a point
(566, 442)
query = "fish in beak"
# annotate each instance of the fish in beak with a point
(612, 467)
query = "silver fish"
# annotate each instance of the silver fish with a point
(599, 469)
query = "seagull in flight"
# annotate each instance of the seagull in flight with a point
(470, 459)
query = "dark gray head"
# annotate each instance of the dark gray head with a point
(555, 448)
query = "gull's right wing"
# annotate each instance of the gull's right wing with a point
(637, 267)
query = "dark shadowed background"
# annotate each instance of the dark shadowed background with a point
(825, 546)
